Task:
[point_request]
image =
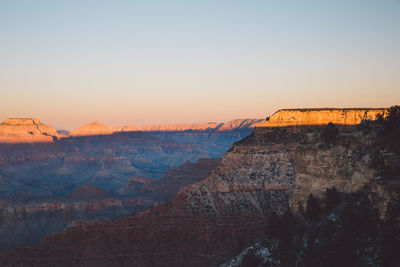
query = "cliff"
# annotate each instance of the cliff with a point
(165, 188)
(171, 127)
(239, 124)
(93, 128)
(24, 224)
(26, 130)
(322, 116)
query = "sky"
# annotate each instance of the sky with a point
(150, 62)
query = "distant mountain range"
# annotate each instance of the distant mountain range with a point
(28, 130)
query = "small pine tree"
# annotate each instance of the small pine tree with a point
(313, 208)
(329, 133)
(332, 198)
(274, 227)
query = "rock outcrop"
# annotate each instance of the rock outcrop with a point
(26, 130)
(87, 192)
(165, 188)
(239, 124)
(93, 128)
(172, 127)
(321, 116)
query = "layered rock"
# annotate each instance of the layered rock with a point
(173, 179)
(240, 124)
(208, 222)
(88, 191)
(24, 224)
(321, 116)
(93, 128)
(172, 127)
(26, 130)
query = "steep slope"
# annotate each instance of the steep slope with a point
(27, 222)
(88, 191)
(240, 124)
(209, 222)
(24, 224)
(166, 187)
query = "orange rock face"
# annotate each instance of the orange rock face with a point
(26, 130)
(96, 128)
(171, 127)
(239, 124)
(93, 128)
(299, 117)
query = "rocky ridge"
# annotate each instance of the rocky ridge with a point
(93, 128)
(16, 130)
(321, 116)
(28, 130)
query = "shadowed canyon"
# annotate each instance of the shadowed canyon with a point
(194, 209)
(50, 180)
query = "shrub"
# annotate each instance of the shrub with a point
(313, 208)
(329, 133)
(332, 198)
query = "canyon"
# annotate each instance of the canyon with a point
(41, 170)
(26, 222)
(272, 170)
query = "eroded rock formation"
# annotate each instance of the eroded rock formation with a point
(26, 130)
(93, 128)
(321, 116)
(23, 224)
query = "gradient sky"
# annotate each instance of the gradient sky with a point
(144, 62)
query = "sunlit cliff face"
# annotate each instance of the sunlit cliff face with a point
(16, 130)
(298, 117)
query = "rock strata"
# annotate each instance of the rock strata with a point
(322, 116)
(26, 130)
(211, 221)
(93, 128)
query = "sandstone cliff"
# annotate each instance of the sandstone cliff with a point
(322, 116)
(171, 127)
(93, 128)
(26, 130)
(239, 124)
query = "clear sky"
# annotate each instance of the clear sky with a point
(144, 62)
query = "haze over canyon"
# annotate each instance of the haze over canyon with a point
(170, 200)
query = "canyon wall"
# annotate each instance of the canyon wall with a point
(93, 128)
(209, 222)
(298, 117)
(26, 222)
(22, 130)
